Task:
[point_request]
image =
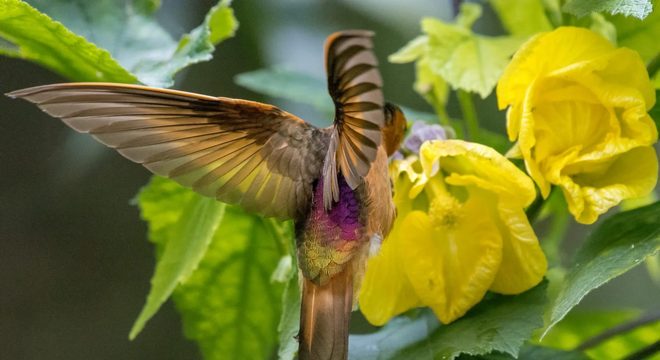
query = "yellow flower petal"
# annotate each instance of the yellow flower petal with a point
(409, 170)
(386, 291)
(564, 125)
(609, 75)
(451, 268)
(594, 191)
(406, 167)
(513, 119)
(476, 164)
(523, 262)
(527, 139)
(547, 52)
(617, 83)
(514, 152)
(577, 104)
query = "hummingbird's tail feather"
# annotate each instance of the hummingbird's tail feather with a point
(324, 318)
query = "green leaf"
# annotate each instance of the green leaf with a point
(530, 352)
(146, 6)
(522, 17)
(616, 246)
(289, 323)
(183, 238)
(474, 63)
(221, 22)
(467, 60)
(579, 327)
(413, 50)
(160, 204)
(34, 36)
(290, 85)
(639, 35)
(451, 54)
(500, 323)
(544, 353)
(431, 87)
(229, 305)
(637, 8)
(194, 47)
(128, 30)
(290, 320)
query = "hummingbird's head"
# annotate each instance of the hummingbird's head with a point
(395, 128)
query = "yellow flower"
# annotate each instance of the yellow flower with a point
(578, 107)
(460, 231)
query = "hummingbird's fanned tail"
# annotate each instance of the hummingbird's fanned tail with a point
(324, 318)
(354, 83)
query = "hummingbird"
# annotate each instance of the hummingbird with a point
(332, 182)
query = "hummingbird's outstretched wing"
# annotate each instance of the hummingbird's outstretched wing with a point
(238, 151)
(354, 84)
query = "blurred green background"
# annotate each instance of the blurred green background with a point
(74, 261)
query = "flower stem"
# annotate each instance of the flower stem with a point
(439, 108)
(654, 65)
(553, 239)
(442, 115)
(620, 329)
(534, 209)
(469, 114)
(645, 353)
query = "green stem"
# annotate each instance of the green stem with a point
(555, 15)
(618, 330)
(654, 65)
(469, 114)
(443, 118)
(552, 241)
(534, 209)
(645, 353)
(438, 107)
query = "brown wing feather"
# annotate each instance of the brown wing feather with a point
(354, 84)
(238, 151)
